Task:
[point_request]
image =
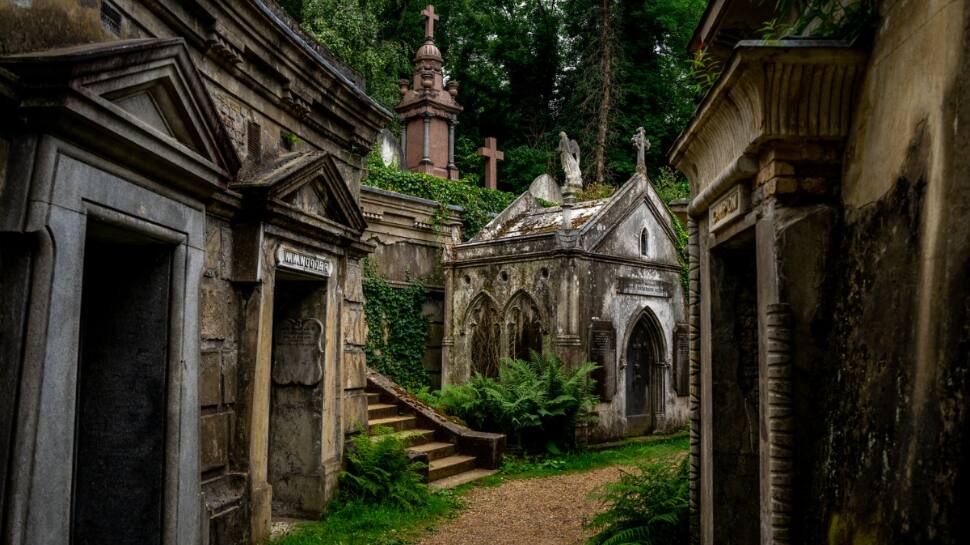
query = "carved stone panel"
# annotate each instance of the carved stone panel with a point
(298, 352)
(602, 351)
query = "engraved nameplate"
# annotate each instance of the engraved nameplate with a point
(289, 258)
(639, 286)
(732, 205)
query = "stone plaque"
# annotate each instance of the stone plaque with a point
(298, 352)
(288, 258)
(640, 286)
(602, 351)
(732, 205)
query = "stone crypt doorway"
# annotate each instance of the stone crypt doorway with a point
(296, 398)
(644, 357)
(121, 419)
(735, 376)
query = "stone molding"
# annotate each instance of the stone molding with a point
(694, 332)
(789, 90)
(777, 507)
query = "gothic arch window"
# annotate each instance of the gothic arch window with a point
(482, 329)
(523, 327)
(644, 242)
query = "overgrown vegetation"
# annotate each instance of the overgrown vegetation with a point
(536, 403)
(597, 69)
(646, 507)
(377, 469)
(48, 24)
(479, 203)
(397, 328)
(827, 19)
(672, 186)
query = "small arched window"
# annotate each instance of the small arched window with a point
(644, 242)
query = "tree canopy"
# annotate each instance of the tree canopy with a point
(597, 69)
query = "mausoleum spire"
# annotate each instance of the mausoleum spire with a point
(428, 110)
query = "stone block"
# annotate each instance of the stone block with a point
(355, 368)
(218, 309)
(353, 290)
(355, 410)
(214, 441)
(230, 370)
(225, 255)
(210, 379)
(355, 328)
(213, 243)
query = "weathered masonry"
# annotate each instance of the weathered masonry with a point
(828, 294)
(180, 236)
(591, 281)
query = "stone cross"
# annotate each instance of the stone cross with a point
(642, 144)
(492, 156)
(429, 24)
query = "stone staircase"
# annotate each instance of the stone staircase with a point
(455, 455)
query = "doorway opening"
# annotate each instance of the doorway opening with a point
(296, 398)
(119, 460)
(644, 356)
(734, 371)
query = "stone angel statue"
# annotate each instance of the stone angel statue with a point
(569, 154)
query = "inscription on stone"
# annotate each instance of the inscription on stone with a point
(602, 351)
(640, 286)
(289, 258)
(732, 205)
(298, 352)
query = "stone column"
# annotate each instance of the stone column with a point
(404, 146)
(426, 141)
(451, 145)
(780, 426)
(694, 324)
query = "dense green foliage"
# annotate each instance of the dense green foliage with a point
(536, 403)
(478, 203)
(397, 329)
(646, 507)
(377, 470)
(529, 69)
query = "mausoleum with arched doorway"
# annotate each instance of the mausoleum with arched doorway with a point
(591, 281)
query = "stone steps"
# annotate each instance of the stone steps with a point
(447, 467)
(450, 465)
(435, 449)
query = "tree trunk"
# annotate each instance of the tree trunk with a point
(606, 77)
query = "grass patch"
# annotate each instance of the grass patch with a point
(367, 524)
(632, 452)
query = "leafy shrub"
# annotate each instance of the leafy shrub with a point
(479, 203)
(378, 471)
(536, 403)
(647, 507)
(397, 329)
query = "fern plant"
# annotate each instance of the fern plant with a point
(647, 507)
(378, 470)
(536, 403)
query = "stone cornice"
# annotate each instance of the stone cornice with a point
(781, 90)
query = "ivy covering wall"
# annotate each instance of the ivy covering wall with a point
(397, 329)
(478, 203)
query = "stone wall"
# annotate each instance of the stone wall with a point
(890, 459)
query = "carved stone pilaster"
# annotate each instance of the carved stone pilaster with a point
(694, 333)
(780, 424)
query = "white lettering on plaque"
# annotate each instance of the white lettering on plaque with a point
(289, 258)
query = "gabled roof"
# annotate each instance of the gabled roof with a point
(139, 101)
(592, 220)
(306, 182)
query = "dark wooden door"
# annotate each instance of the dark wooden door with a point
(640, 358)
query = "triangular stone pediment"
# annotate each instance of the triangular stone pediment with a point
(309, 182)
(158, 105)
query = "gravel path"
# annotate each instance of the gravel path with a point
(543, 511)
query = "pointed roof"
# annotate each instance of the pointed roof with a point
(141, 101)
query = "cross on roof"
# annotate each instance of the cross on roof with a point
(429, 13)
(492, 156)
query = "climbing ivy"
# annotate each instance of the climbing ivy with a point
(479, 204)
(672, 186)
(397, 329)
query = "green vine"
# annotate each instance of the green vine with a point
(479, 204)
(672, 186)
(830, 19)
(397, 330)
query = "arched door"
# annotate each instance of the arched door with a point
(644, 352)
(482, 325)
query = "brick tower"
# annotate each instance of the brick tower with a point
(428, 111)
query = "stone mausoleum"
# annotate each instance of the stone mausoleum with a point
(829, 291)
(182, 326)
(588, 281)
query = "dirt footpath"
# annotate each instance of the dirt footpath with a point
(543, 511)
